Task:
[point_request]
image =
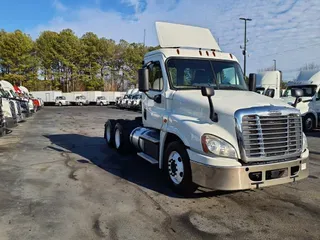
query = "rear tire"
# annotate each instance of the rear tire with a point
(109, 132)
(178, 170)
(122, 133)
(308, 123)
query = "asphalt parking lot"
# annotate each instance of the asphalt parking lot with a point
(59, 180)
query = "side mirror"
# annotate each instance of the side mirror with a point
(296, 92)
(270, 93)
(143, 80)
(252, 82)
(207, 91)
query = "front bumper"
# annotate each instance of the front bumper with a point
(237, 177)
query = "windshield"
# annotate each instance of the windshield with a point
(101, 98)
(3, 93)
(137, 97)
(62, 98)
(195, 73)
(308, 90)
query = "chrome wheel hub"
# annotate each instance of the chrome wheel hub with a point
(175, 167)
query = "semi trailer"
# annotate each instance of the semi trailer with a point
(203, 126)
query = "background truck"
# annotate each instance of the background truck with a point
(202, 126)
(14, 101)
(102, 101)
(48, 97)
(269, 83)
(61, 101)
(309, 102)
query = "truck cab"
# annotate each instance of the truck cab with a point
(269, 83)
(15, 105)
(202, 125)
(81, 100)
(102, 101)
(61, 101)
(309, 102)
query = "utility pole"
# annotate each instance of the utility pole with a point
(144, 37)
(274, 64)
(244, 51)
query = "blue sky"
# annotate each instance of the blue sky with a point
(285, 30)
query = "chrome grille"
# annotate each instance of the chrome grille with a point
(269, 136)
(269, 133)
(13, 110)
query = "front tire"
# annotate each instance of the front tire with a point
(308, 123)
(80, 104)
(101, 103)
(60, 104)
(178, 170)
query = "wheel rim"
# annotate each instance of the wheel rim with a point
(117, 138)
(309, 123)
(175, 167)
(108, 133)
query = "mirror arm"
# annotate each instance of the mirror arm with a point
(213, 115)
(148, 96)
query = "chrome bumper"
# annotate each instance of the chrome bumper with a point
(237, 178)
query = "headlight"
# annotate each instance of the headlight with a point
(304, 142)
(217, 146)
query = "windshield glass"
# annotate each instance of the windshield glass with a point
(308, 90)
(62, 98)
(3, 93)
(13, 93)
(260, 90)
(195, 73)
(137, 97)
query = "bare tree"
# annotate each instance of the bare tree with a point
(266, 69)
(310, 66)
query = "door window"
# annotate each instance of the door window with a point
(155, 77)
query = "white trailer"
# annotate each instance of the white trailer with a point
(269, 83)
(111, 96)
(309, 103)
(49, 97)
(202, 126)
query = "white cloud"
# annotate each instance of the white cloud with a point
(136, 4)
(286, 30)
(59, 6)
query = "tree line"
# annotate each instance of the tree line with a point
(63, 61)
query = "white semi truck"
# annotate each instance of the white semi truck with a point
(269, 83)
(309, 103)
(202, 126)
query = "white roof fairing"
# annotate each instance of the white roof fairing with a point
(172, 35)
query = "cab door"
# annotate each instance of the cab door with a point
(154, 107)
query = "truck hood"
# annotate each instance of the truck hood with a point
(192, 103)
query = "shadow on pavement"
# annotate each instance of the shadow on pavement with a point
(315, 133)
(129, 167)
